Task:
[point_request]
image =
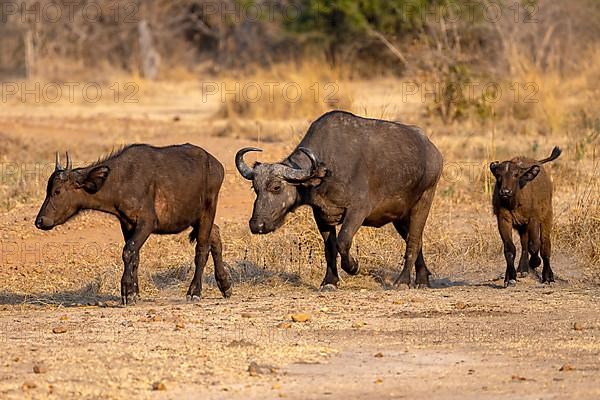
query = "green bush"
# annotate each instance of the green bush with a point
(336, 23)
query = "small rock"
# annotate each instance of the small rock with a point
(518, 378)
(64, 318)
(359, 324)
(159, 385)
(39, 369)
(578, 326)
(241, 343)
(378, 380)
(378, 355)
(300, 317)
(460, 305)
(254, 369)
(284, 325)
(59, 330)
(28, 385)
(247, 315)
(179, 326)
(567, 367)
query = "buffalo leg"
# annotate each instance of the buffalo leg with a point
(420, 267)
(546, 249)
(127, 230)
(329, 239)
(414, 243)
(534, 244)
(216, 251)
(131, 259)
(352, 222)
(524, 260)
(203, 246)
(505, 229)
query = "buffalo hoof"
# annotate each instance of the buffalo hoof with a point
(402, 285)
(328, 287)
(129, 300)
(227, 293)
(193, 298)
(422, 282)
(403, 280)
(524, 274)
(510, 283)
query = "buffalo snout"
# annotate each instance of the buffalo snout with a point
(258, 227)
(506, 193)
(44, 223)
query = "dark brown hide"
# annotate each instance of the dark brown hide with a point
(353, 172)
(522, 200)
(161, 190)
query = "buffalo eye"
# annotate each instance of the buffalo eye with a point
(56, 192)
(276, 188)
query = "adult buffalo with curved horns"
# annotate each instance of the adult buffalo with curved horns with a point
(355, 172)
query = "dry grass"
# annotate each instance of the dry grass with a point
(460, 238)
(284, 92)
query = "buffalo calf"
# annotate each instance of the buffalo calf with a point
(161, 190)
(522, 200)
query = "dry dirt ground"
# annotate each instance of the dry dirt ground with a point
(63, 334)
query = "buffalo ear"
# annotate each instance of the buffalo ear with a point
(494, 166)
(93, 181)
(529, 175)
(320, 173)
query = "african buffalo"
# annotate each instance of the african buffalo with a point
(355, 172)
(522, 200)
(149, 189)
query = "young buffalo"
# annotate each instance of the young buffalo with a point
(522, 200)
(150, 190)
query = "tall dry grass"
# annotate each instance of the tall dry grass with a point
(284, 92)
(461, 240)
(461, 237)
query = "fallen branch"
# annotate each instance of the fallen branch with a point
(389, 45)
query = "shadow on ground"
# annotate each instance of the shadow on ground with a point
(386, 278)
(240, 272)
(87, 295)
